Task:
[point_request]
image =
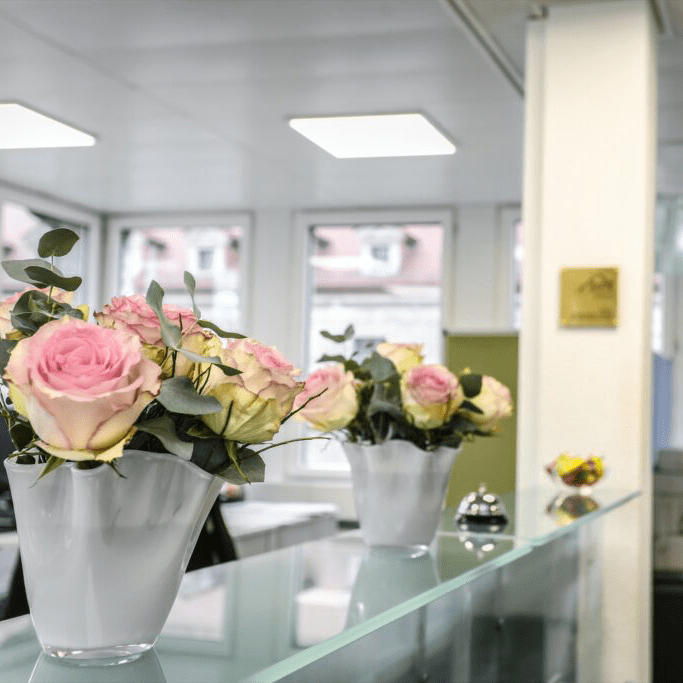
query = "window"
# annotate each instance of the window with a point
(22, 228)
(385, 278)
(162, 249)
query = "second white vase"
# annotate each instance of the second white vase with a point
(399, 491)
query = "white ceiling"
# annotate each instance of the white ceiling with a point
(189, 99)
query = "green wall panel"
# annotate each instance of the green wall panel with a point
(486, 460)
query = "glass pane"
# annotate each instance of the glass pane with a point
(383, 279)
(211, 253)
(22, 229)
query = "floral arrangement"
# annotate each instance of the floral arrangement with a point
(393, 394)
(143, 375)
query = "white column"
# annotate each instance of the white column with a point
(589, 193)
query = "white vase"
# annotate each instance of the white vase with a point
(399, 491)
(103, 556)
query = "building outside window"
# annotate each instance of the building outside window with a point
(385, 279)
(212, 252)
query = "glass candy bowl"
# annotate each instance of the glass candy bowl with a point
(577, 473)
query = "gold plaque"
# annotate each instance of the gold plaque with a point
(588, 297)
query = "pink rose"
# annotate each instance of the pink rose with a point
(431, 394)
(6, 306)
(495, 402)
(254, 402)
(134, 314)
(403, 356)
(81, 387)
(337, 403)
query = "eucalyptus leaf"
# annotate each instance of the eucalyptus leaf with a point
(47, 278)
(178, 395)
(170, 334)
(214, 360)
(331, 359)
(210, 454)
(471, 384)
(380, 368)
(221, 333)
(164, 430)
(53, 462)
(250, 463)
(15, 268)
(468, 405)
(58, 242)
(6, 346)
(191, 285)
(387, 407)
(21, 434)
(339, 338)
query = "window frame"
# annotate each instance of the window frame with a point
(117, 224)
(91, 220)
(305, 220)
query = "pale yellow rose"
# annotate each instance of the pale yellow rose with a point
(255, 401)
(495, 402)
(403, 356)
(336, 402)
(430, 394)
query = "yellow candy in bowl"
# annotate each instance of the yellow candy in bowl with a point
(575, 471)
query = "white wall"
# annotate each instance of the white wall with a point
(589, 201)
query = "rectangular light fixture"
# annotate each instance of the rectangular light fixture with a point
(23, 128)
(378, 135)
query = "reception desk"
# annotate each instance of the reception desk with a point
(521, 605)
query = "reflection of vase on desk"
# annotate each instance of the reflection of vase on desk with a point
(386, 578)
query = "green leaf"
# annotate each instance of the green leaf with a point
(170, 334)
(214, 360)
(112, 465)
(210, 454)
(221, 333)
(331, 359)
(15, 269)
(387, 407)
(380, 368)
(471, 384)
(53, 462)
(22, 434)
(468, 405)
(164, 429)
(251, 464)
(191, 285)
(44, 277)
(58, 242)
(178, 395)
(339, 338)
(6, 346)
(30, 312)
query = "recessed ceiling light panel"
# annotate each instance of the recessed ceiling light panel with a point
(381, 135)
(23, 128)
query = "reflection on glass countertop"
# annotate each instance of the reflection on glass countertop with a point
(265, 616)
(280, 609)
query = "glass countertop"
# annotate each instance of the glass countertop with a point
(265, 617)
(547, 511)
